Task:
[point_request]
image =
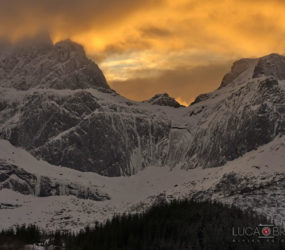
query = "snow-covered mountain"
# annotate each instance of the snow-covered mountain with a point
(69, 141)
(38, 63)
(164, 100)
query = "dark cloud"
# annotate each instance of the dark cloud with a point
(153, 31)
(180, 82)
(68, 16)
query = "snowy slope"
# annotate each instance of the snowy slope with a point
(254, 181)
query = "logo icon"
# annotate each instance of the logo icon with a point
(266, 231)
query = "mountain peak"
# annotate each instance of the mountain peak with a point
(70, 45)
(38, 63)
(164, 100)
(272, 65)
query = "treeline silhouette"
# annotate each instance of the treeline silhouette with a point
(177, 225)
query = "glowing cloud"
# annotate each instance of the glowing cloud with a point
(139, 42)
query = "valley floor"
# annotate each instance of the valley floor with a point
(255, 181)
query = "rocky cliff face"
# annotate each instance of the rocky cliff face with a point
(247, 111)
(271, 65)
(246, 117)
(82, 131)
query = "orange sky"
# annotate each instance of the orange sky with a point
(144, 47)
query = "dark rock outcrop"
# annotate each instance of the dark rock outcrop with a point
(271, 65)
(200, 98)
(19, 180)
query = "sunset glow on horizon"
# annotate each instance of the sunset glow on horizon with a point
(181, 47)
